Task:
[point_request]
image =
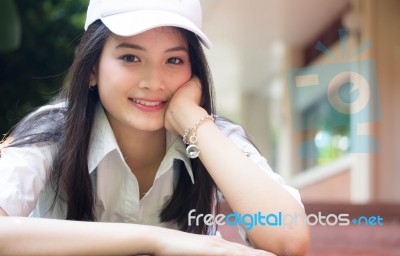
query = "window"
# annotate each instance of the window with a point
(330, 137)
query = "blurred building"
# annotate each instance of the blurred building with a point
(315, 83)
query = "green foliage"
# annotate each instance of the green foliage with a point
(34, 73)
(10, 26)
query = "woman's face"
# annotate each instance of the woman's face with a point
(138, 75)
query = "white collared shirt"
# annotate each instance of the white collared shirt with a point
(24, 174)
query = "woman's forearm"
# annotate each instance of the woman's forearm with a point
(34, 236)
(248, 190)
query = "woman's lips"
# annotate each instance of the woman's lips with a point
(148, 104)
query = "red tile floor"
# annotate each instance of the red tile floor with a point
(351, 240)
(355, 240)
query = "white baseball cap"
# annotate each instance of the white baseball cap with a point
(132, 17)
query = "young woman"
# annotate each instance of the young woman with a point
(132, 145)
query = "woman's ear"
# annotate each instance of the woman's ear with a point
(93, 76)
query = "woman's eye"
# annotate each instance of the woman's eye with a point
(175, 61)
(130, 58)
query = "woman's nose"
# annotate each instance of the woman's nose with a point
(152, 79)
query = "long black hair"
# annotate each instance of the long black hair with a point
(70, 128)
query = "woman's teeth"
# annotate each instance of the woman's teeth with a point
(147, 103)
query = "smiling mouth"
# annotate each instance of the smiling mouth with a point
(146, 103)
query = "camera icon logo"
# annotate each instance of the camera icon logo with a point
(327, 98)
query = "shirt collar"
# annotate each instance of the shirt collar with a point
(102, 142)
(175, 150)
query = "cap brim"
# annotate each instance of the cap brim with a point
(136, 22)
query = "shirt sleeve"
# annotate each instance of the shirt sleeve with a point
(23, 175)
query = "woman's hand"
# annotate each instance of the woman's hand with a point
(181, 243)
(184, 108)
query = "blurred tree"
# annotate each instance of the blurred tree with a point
(33, 73)
(10, 27)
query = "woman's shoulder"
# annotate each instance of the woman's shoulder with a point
(42, 125)
(235, 133)
(228, 127)
(45, 117)
(55, 105)
(48, 112)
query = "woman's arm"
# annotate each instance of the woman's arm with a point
(34, 236)
(246, 188)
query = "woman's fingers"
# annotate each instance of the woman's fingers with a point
(183, 107)
(190, 91)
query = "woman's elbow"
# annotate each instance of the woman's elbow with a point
(297, 245)
(292, 241)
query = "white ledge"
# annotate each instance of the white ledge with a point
(322, 172)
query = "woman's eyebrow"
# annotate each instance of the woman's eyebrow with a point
(178, 48)
(131, 46)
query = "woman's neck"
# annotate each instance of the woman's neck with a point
(142, 150)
